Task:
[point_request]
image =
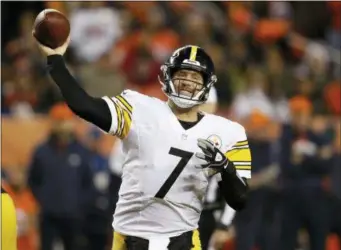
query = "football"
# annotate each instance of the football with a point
(51, 28)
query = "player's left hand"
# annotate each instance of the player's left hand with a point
(215, 159)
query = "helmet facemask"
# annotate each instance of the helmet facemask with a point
(199, 92)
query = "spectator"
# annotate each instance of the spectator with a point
(60, 179)
(94, 29)
(257, 112)
(336, 183)
(305, 162)
(102, 198)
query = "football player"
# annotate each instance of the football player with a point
(207, 222)
(117, 156)
(8, 222)
(170, 150)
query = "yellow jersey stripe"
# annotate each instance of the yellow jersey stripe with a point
(238, 147)
(243, 167)
(193, 55)
(124, 119)
(125, 103)
(120, 121)
(240, 155)
(241, 143)
(236, 155)
(127, 124)
(123, 122)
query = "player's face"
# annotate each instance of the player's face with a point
(188, 83)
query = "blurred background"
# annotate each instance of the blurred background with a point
(278, 69)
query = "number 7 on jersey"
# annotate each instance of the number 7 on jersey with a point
(185, 157)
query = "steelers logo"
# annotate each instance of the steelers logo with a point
(215, 140)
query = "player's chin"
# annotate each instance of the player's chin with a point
(185, 94)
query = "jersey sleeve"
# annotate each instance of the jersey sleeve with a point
(121, 108)
(240, 154)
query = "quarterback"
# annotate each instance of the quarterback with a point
(170, 150)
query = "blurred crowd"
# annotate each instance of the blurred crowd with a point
(278, 69)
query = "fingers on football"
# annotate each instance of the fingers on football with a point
(68, 40)
(64, 47)
(45, 50)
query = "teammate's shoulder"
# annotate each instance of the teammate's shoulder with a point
(226, 123)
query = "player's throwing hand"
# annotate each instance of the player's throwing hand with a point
(57, 51)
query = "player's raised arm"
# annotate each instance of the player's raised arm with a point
(95, 110)
(52, 33)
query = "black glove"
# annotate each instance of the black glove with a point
(234, 188)
(216, 160)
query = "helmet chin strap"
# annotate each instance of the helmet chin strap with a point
(183, 103)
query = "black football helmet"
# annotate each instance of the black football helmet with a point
(189, 57)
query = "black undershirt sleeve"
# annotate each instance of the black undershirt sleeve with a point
(234, 189)
(91, 109)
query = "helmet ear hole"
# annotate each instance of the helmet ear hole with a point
(162, 77)
(165, 79)
(172, 71)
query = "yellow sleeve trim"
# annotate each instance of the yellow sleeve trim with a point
(243, 167)
(123, 118)
(240, 155)
(125, 103)
(241, 143)
(127, 124)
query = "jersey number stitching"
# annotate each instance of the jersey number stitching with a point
(185, 157)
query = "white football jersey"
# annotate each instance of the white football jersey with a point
(163, 185)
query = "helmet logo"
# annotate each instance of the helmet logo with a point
(196, 63)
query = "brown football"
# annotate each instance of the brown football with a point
(51, 28)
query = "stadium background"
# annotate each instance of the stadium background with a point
(276, 62)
